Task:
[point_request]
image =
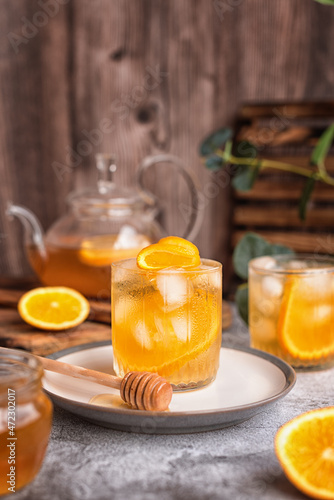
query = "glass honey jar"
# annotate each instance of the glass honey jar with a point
(25, 419)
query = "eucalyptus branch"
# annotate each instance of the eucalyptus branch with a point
(286, 167)
(321, 175)
(218, 151)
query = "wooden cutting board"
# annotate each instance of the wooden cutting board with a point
(15, 333)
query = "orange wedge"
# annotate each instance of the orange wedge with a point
(169, 252)
(306, 320)
(53, 308)
(305, 449)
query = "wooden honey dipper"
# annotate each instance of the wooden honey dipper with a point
(140, 390)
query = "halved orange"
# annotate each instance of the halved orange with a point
(53, 308)
(169, 252)
(305, 449)
(306, 320)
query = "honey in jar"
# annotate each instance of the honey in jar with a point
(25, 419)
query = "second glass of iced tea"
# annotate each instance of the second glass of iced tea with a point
(167, 321)
(291, 309)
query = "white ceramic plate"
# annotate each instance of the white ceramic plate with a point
(248, 382)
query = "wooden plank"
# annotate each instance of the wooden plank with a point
(288, 109)
(275, 134)
(34, 122)
(278, 189)
(316, 243)
(276, 61)
(281, 216)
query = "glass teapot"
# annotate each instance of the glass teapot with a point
(103, 224)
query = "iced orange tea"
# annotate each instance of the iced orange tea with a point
(167, 321)
(291, 309)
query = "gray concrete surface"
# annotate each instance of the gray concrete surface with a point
(87, 462)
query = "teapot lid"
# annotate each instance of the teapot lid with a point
(107, 196)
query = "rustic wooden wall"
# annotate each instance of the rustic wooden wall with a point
(94, 59)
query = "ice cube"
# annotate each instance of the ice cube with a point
(272, 287)
(266, 262)
(182, 327)
(323, 313)
(125, 273)
(211, 278)
(172, 323)
(316, 286)
(129, 238)
(160, 333)
(142, 335)
(125, 237)
(215, 279)
(319, 284)
(296, 264)
(120, 310)
(174, 288)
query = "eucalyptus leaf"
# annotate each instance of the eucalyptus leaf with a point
(214, 162)
(241, 299)
(305, 196)
(250, 246)
(245, 177)
(215, 141)
(323, 145)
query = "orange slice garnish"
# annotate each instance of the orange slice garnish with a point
(176, 240)
(53, 308)
(169, 252)
(306, 321)
(305, 449)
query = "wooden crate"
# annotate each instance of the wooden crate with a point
(286, 132)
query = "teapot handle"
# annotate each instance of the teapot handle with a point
(195, 214)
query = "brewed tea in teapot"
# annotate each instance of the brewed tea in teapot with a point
(103, 225)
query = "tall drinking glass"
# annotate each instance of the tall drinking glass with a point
(167, 321)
